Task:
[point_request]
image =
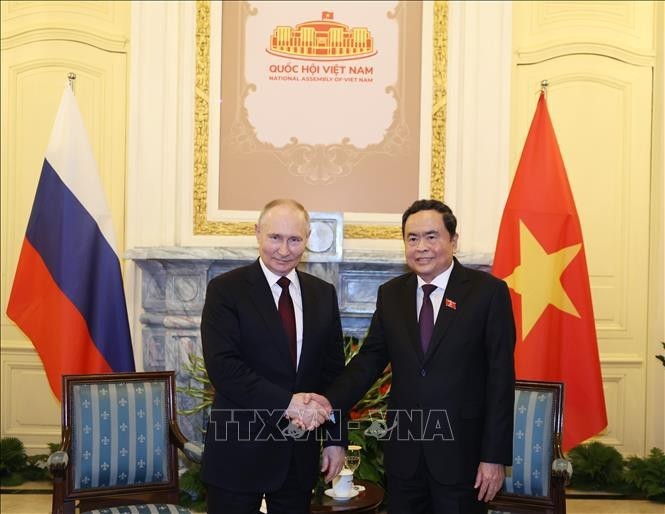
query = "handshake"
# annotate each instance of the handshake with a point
(308, 410)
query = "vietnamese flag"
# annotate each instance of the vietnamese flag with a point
(540, 255)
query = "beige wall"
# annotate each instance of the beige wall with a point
(140, 118)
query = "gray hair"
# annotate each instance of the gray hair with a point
(284, 201)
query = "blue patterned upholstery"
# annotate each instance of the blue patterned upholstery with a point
(532, 484)
(532, 444)
(120, 434)
(120, 442)
(158, 508)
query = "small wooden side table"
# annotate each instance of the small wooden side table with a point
(367, 502)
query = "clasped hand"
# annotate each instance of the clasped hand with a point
(308, 410)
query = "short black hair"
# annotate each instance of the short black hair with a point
(449, 219)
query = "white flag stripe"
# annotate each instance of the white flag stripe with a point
(69, 153)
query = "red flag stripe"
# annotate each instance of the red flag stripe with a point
(36, 296)
(555, 342)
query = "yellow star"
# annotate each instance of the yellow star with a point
(538, 279)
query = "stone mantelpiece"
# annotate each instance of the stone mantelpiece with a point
(173, 286)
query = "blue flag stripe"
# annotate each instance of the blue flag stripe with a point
(83, 264)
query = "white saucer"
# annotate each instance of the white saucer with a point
(331, 493)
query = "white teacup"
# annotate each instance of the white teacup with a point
(343, 483)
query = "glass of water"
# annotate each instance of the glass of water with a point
(352, 460)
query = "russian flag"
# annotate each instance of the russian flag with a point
(67, 294)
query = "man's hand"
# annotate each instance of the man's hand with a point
(332, 461)
(321, 400)
(308, 410)
(489, 480)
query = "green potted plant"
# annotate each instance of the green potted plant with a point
(17, 467)
(370, 409)
(599, 467)
(596, 467)
(647, 476)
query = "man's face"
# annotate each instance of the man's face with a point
(427, 244)
(282, 235)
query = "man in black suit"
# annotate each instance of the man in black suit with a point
(269, 332)
(448, 333)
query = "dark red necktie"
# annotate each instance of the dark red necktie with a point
(288, 315)
(426, 318)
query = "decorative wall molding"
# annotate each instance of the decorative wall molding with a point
(619, 53)
(621, 359)
(623, 30)
(100, 24)
(107, 43)
(249, 253)
(614, 386)
(625, 408)
(35, 422)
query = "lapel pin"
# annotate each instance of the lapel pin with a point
(450, 304)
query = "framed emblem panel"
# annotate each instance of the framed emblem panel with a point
(340, 106)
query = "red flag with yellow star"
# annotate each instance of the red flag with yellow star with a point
(540, 255)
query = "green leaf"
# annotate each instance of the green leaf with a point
(11, 480)
(647, 475)
(12, 455)
(597, 467)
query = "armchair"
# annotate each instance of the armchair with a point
(535, 483)
(119, 444)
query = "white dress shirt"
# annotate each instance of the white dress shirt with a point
(441, 282)
(296, 297)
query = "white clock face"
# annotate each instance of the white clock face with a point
(321, 238)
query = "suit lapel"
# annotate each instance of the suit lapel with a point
(309, 300)
(261, 295)
(455, 290)
(409, 308)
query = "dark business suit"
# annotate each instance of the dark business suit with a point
(247, 357)
(467, 372)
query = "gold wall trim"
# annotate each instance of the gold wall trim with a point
(439, 99)
(203, 226)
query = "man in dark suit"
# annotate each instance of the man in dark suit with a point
(269, 332)
(448, 333)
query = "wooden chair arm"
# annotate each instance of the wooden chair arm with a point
(57, 462)
(562, 468)
(176, 436)
(57, 465)
(194, 451)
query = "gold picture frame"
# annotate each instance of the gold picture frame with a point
(205, 226)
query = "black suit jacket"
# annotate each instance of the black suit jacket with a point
(459, 396)
(247, 358)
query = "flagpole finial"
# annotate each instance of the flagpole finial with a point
(71, 76)
(543, 86)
